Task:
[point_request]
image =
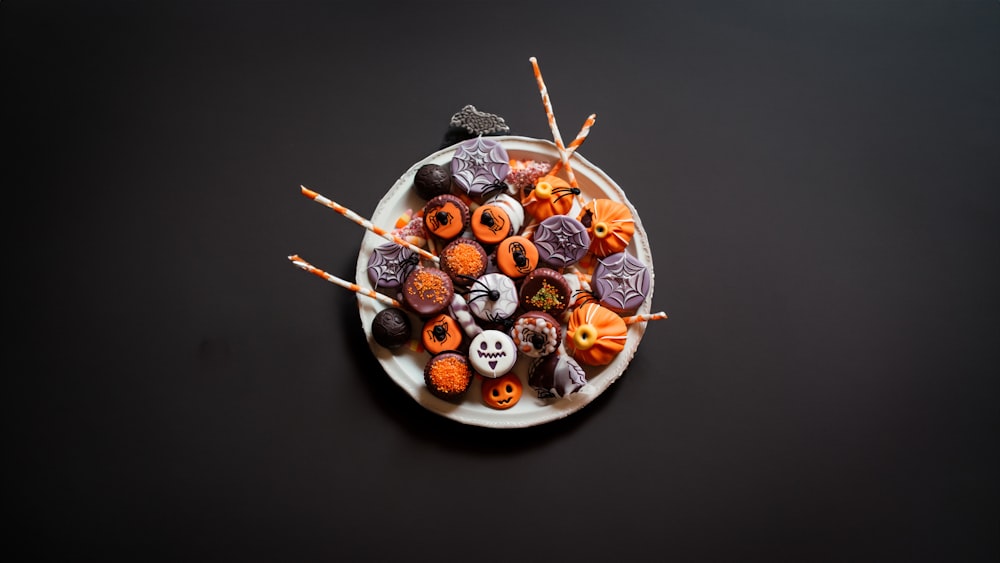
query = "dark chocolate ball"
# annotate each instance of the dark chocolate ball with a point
(391, 328)
(432, 180)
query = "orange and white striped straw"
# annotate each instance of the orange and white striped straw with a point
(643, 318)
(556, 137)
(298, 261)
(367, 224)
(580, 138)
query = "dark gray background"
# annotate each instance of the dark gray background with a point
(818, 181)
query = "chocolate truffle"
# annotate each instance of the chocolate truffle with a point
(427, 291)
(556, 375)
(389, 264)
(620, 282)
(448, 375)
(391, 328)
(432, 180)
(545, 289)
(561, 241)
(464, 260)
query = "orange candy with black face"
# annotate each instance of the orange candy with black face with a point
(516, 257)
(502, 392)
(441, 333)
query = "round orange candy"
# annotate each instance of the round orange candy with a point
(516, 256)
(441, 333)
(490, 224)
(502, 392)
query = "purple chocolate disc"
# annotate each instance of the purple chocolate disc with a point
(479, 164)
(389, 264)
(561, 241)
(620, 282)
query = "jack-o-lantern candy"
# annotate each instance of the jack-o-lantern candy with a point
(609, 224)
(595, 335)
(503, 392)
(551, 195)
(492, 353)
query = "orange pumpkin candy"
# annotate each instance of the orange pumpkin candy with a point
(595, 335)
(502, 392)
(551, 195)
(609, 224)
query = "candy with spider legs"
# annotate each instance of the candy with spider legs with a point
(536, 334)
(492, 297)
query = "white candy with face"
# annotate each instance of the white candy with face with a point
(492, 353)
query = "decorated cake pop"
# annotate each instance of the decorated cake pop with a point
(441, 333)
(551, 195)
(446, 216)
(516, 256)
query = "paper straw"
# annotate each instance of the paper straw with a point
(643, 318)
(556, 137)
(342, 283)
(367, 224)
(580, 137)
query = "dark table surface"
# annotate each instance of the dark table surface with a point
(819, 184)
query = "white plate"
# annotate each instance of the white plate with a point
(406, 367)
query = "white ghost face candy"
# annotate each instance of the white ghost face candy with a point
(492, 353)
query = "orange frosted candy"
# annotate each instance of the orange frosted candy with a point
(595, 335)
(609, 224)
(517, 257)
(551, 195)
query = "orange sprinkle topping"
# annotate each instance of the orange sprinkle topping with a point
(450, 375)
(464, 259)
(428, 286)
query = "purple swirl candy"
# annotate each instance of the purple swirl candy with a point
(478, 165)
(561, 241)
(389, 264)
(620, 282)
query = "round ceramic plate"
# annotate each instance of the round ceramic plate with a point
(406, 366)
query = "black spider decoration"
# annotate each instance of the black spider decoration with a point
(558, 192)
(438, 219)
(517, 252)
(439, 332)
(494, 223)
(481, 291)
(494, 189)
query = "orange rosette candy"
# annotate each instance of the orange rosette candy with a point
(595, 335)
(551, 195)
(609, 224)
